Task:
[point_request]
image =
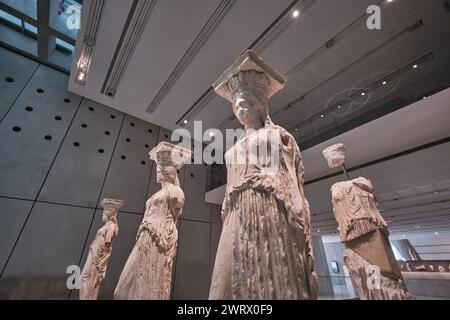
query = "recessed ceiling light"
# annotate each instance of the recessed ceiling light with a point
(211, 133)
(339, 106)
(185, 121)
(403, 236)
(81, 76)
(296, 129)
(295, 13)
(436, 233)
(424, 97)
(384, 82)
(321, 115)
(415, 66)
(363, 93)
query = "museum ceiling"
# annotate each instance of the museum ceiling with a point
(157, 59)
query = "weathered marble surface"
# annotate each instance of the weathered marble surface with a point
(147, 274)
(387, 289)
(355, 208)
(335, 155)
(265, 249)
(94, 270)
(365, 234)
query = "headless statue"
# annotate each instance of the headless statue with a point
(369, 258)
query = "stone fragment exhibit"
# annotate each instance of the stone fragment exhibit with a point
(147, 274)
(94, 270)
(265, 249)
(372, 266)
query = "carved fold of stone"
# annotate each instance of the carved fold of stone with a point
(335, 155)
(366, 284)
(265, 249)
(147, 273)
(100, 251)
(355, 208)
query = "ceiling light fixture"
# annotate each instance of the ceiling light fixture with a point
(321, 115)
(403, 236)
(384, 83)
(363, 93)
(296, 13)
(211, 134)
(339, 106)
(436, 233)
(87, 46)
(185, 121)
(415, 66)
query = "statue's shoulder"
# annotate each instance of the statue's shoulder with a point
(175, 192)
(287, 139)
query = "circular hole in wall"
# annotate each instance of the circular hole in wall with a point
(123, 157)
(150, 130)
(29, 109)
(91, 108)
(143, 163)
(48, 137)
(9, 79)
(127, 140)
(58, 118)
(101, 150)
(40, 90)
(66, 100)
(16, 129)
(76, 144)
(113, 116)
(107, 133)
(132, 124)
(84, 125)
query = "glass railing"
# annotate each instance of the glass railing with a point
(423, 285)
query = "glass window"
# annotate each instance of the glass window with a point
(17, 33)
(65, 17)
(60, 52)
(27, 7)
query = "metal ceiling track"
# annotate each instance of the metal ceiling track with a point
(137, 19)
(210, 26)
(263, 40)
(90, 35)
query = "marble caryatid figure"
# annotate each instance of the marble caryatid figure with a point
(265, 249)
(94, 270)
(147, 274)
(373, 269)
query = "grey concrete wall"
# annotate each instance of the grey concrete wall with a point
(59, 156)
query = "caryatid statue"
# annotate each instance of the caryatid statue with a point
(373, 269)
(147, 274)
(265, 249)
(94, 270)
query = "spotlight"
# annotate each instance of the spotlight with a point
(296, 13)
(384, 83)
(363, 93)
(415, 66)
(185, 121)
(339, 106)
(321, 115)
(211, 134)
